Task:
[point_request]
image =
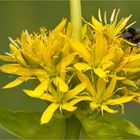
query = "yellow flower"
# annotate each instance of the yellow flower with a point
(46, 58)
(107, 63)
(61, 97)
(110, 29)
(101, 69)
(38, 56)
(100, 57)
(103, 94)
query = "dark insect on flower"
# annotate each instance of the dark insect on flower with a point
(132, 35)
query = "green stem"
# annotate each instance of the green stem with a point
(75, 10)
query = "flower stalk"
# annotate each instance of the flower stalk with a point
(75, 11)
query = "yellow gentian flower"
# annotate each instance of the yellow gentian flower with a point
(111, 29)
(107, 63)
(103, 65)
(61, 97)
(103, 94)
(38, 56)
(100, 57)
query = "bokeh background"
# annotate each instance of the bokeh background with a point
(16, 16)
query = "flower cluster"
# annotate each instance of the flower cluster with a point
(102, 69)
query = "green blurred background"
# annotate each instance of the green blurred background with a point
(16, 16)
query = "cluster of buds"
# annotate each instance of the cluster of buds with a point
(102, 69)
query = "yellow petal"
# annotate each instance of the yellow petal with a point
(52, 90)
(60, 26)
(78, 99)
(84, 31)
(81, 49)
(72, 93)
(48, 113)
(16, 82)
(106, 108)
(115, 19)
(99, 15)
(39, 73)
(101, 85)
(122, 23)
(100, 72)
(90, 86)
(120, 100)
(128, 42)
(68, 107)
(133, 64)
(16, 69)
(112, 16)
(69, 29)
(30, 60)
(100, 48)
(63, 87)
(97, 24)
(109, 91)
(81, 66)
(107, 65)
(6, 58)
(64, 63)
(39, 90)
(107, 57)
(84, 98)
(67, 60)
(105, 17)
(117, 77)
(132, 93)
(133, 61)
(135, 57)
(129, 83)
(17, 55)
(118, 54)
(132, 70)
(47, 97)
(94, 105)
(29, 93)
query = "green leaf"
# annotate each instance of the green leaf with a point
(123, 125)
(108, 127)
(73, 128)
(26, 124)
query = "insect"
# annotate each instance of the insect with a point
(132, 35)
